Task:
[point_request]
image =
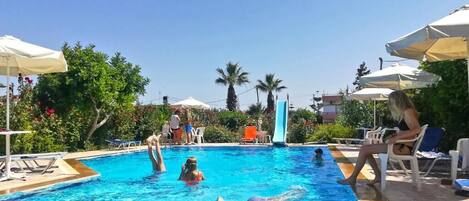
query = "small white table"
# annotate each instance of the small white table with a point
(8, 174)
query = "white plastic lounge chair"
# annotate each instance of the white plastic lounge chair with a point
(31, 161)
(199, 134)
(461, 154)
(120, 144)
(412, 158)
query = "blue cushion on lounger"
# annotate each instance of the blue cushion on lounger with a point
(431, 139)
(462, 184)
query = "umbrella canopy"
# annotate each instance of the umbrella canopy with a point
(399, 77)
(372, 94)
(28, 59)
(191, 103)
(444, 39)
(19, 57)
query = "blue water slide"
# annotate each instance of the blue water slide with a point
(281, 120)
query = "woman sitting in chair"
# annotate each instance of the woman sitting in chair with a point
(403, 111)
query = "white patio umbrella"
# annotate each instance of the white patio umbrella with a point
(444, 39)
(191, 103)
(19, 57)
(374, 94)
(399, 77)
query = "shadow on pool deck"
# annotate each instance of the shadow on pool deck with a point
(399, 185)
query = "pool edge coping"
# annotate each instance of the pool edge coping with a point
(84, 173)
(346, 167)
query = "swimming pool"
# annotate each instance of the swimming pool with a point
(235, 173)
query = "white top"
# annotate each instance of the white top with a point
(174, 123)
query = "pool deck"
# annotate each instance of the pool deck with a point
(399, 185)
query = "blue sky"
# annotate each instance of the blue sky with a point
(311, 45)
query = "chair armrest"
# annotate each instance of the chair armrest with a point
(404, 141)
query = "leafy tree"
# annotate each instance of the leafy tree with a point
(255, 109)
(301, 116)
(233, 76)
(96, 85)
(269, 85)
(446, 103)
(355, 114)
(362, 70)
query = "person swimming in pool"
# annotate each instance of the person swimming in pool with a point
(158, 162)
(190, 173)
(318, 155)
(295, 193)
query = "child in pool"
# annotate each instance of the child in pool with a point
(318, 155)
(190, 173)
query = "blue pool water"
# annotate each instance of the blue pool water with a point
(235, 173)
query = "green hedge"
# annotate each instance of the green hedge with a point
(232, 120)
(329, 131)
(220, 134)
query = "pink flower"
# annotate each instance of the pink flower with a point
(50, 111)
(29, 80)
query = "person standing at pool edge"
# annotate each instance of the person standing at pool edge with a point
(403, 111)
(188, 127)
(174, 125)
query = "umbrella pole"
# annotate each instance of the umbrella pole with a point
(374, 114)
(7, 137)
(467, 61)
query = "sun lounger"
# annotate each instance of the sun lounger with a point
(429, 149)
(31, 161)
(249, 135)
(118, 143)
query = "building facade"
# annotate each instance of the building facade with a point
(331, 107)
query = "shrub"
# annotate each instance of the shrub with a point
(329, 131)
(298, 132)
(232, 120)
(219, 134)
(302, 116)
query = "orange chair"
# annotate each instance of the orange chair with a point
(249, 134)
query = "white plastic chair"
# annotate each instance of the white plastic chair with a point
(199, 134)
(412, 158)
(166, 132)
(370, 135)
(461, 152)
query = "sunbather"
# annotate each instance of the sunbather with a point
(158, 162)
(190, 173)
(403, 111)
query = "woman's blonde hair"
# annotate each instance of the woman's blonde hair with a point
(399, 102)
(191, 163)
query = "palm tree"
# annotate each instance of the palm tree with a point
(233, 76)
(255, 109)
(269, 85)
